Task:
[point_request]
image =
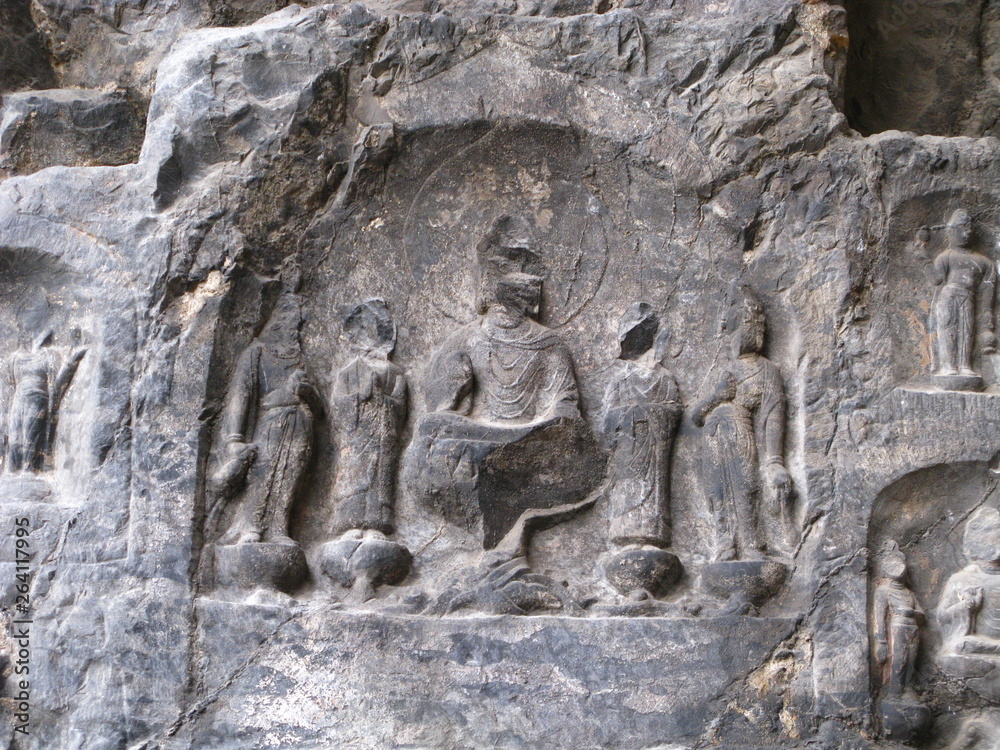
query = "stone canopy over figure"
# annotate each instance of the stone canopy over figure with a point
(969, 610)
(640, 417)
(744, 466)
(369, 407)
(266, 444)
(963, 307)
(40, 378)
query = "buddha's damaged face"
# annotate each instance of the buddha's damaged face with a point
(520, 293)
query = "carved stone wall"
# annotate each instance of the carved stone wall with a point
(481, 374)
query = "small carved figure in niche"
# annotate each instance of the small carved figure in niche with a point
(40, 382)
(898, 619)
(267, 442)
(969, 611)
(641, 414)
(965, 287)
(744, 420)
(369, 411)
(504, 436)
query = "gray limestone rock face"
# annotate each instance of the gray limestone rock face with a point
(499, 374)
(69, 127)
(24, 57)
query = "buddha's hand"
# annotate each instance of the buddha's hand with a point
(777, 476)
(881, 651)
(971, 597)
(236, 460)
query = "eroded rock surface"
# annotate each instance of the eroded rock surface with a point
(705, 377)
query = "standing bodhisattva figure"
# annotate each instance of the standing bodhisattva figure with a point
(965, 286)
(39, 385)
(267, 428)
(744, 418)
(369, 410)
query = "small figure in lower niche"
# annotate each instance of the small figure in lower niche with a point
(40, 379)
(898, 619)
(969, 611)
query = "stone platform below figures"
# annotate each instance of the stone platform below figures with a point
(323, 678)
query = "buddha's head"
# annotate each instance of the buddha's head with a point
(509, 268)
(982, 536)
(519, 294)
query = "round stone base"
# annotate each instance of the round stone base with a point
(376, 561)
(652, 570)
(754, 581)
(904, 720)
(260, 564)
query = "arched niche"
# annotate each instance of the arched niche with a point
(60, 333)
(904, 288)
(925, 512)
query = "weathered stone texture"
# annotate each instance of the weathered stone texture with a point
(589, 539)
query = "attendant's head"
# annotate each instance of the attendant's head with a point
(960, 229)
(370, 329)
(893, 562)
(746, 320)
(637, 330)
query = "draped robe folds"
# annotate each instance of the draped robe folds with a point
(370, 399)
(265, 408)
(641, 414)
(962, 306)
(522, 375)
(751, 406)
(504, 433)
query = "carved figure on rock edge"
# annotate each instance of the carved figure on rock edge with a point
(898, 619)
(744, 420)
(266, 443)
(369, 407)
(969, 610)
(962, 309)
(504, 441)
(40, 378)
(640, 418)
